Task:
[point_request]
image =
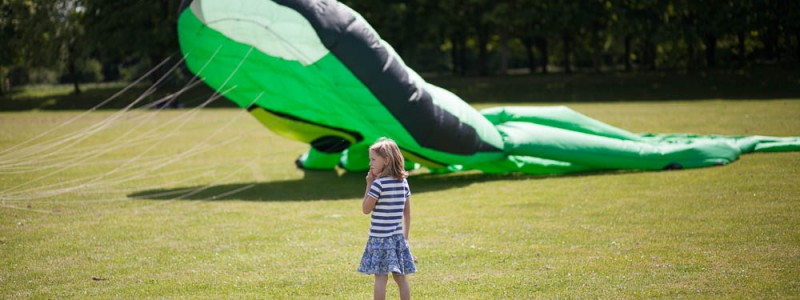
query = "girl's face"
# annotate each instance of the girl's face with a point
(376, 163)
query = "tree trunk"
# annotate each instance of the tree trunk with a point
(650, 55)
(458, 54)
(454, 54)
(777, 46)
(770, 41)
(73, 75)
(597, 49)
(690, 60)
(528, 42)
(504, 51)
(741, 48)
(567, 49)
(410, 33)
(627, 56)
(72, 68)
(544, 55)
(797, 36)
(462, 55)
(483, 52)
(711, 50)
(3, 82)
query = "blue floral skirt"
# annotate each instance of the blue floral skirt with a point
(387, 255)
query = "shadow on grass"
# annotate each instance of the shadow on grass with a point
(91, 97)
(763, 82)
(319, 185)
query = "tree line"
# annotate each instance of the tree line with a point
(105, 40)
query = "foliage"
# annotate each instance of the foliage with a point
(46, 34)
(462, 37)
(599, 35)
(131, 33)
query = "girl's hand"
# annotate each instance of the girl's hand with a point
(371, 176)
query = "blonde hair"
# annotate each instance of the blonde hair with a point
(388, 149)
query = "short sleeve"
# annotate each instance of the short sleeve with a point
(375, 189)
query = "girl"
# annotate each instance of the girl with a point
(387, 198)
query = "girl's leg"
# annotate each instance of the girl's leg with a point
(402, 285)
(379, 293)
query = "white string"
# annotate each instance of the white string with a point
(82, 157)
(6, 193)
(7, 152)
(103, 124)
(27, 209)
(197, 172)
(63, 154)
(97, 127)
(52, 192)
(52, 161)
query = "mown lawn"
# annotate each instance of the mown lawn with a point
(208, 205)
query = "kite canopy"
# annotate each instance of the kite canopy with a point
(317, 72)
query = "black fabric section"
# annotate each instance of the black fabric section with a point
(423, 157)
(183, 6)
(330, 144)
(361, 51)
(357, 136)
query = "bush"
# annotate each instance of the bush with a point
(89, 70)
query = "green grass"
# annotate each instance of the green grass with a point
(230, 217)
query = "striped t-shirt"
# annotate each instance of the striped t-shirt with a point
(387, 215)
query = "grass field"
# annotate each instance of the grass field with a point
(208, 205)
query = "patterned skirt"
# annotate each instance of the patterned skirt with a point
(387, 255)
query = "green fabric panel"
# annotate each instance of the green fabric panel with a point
(422, 160)
(746, 144)
(608, 153)
(259, 23)
(558, 117)
(356, 158)
(528, 165)
(316, 160)
(778, 147)
(297, 130)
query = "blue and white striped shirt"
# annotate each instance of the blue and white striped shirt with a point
(387, 215)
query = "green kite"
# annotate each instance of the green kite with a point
(317, 72)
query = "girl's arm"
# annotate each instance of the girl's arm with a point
(407, 218)
(368, 204)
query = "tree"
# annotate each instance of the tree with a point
(23, 30)
(480, 14)
(597, 14)
(70, 38)
(44, 33)
(567, 24)
(456, 28)
(133, 31)
(534, 25)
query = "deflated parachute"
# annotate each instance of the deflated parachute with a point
(317, 72)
